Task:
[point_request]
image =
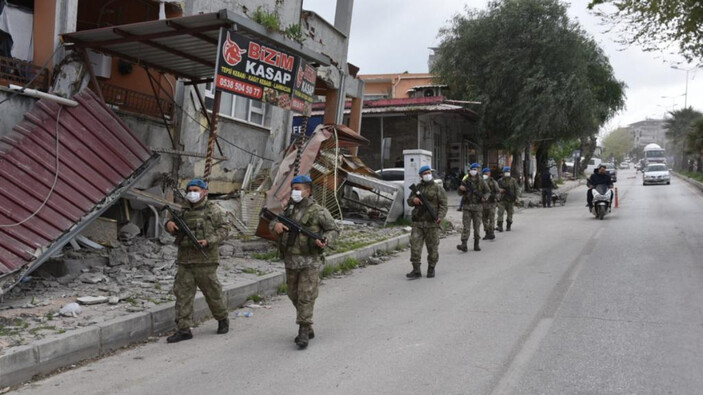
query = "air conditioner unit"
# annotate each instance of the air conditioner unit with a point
(102, 64)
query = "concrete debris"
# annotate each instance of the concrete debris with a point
(375, 261)
(113, 300)
(92, 278)
(118, 256)
(128, 233)
(88, 300)
(70, 310)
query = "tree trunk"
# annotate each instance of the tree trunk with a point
(542, 159)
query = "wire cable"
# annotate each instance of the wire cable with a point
(53, 186)
(15, 93)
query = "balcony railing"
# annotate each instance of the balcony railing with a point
(19, 72)
(136, 102)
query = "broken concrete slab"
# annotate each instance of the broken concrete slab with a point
(88, 300)
(91, 278)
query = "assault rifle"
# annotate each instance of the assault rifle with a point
(416, 192)
(184, 230)
(293, 227)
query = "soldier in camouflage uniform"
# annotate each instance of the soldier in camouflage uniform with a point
(208, 224)
(425, 229)
(508, 193)
(489, 206)
(475, 192)
(302, 256)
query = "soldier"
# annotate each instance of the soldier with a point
(425, 229)
(475, 193)
(208, 224)
(489, 206)
(508, 197)
(302, 255)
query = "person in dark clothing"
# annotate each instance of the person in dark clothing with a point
(598, 177)
(547, 186)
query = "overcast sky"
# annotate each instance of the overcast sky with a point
(393, 36)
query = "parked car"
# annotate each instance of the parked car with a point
(625, 165)
(656, 173)
(592, 165)
(396, 175)
(611, 170)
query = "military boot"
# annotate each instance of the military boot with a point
(222, 326)
(311, 334)
(476, 247)
(491, 236)
(182, 334)
(416, 273)
(430, 272)
(303, 336)
(462, 246)
(499, 228)
(507, 228)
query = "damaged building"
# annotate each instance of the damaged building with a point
(151, 64)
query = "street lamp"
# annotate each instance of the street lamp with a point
(685, 100)
(673, 100)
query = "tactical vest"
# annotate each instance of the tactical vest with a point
(308, 215)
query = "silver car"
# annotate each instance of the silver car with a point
(656, 173)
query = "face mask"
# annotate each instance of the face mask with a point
(473, 172)
(297, 196)
(193, 197)
(427, 177)
(485, 177)
(507, 174)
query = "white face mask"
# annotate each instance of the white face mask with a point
(193, 197)
(427, 177)
(507, 174)
(296, 195)
(473, 172)
(485, 176)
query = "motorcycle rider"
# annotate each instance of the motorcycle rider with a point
(598, 177)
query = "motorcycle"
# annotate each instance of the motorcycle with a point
(602, 200)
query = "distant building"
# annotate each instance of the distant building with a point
(649, 131)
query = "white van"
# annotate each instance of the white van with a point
(592, 165)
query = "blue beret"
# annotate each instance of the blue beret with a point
(506, 168)
(475, 166)
(196, 182)
(424, 169)
(486, 170)
(302, 179)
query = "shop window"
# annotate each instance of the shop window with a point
(239, 108)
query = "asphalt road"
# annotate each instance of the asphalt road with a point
(563, 304)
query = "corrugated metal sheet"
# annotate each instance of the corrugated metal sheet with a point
(99, 158)
(185, 46)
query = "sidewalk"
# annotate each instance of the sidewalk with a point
(20, 364)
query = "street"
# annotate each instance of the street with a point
(563, 304)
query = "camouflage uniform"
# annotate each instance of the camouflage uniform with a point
(473, 205)
(207, 222)
(507, 202)
(303, 258)
(489, 207)
(424, 228)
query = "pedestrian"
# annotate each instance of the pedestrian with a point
(489, 206)
(425, 228)
(508, 198)
(547, 184)
(475, 192)
(208, 224)
(302, 256)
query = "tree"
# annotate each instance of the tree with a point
(540, 78)
(618, 143)
(655, 24)
(694, 143)
(678, 127)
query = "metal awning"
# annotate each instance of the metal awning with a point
(186, 46)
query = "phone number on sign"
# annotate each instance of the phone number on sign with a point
(239, 87)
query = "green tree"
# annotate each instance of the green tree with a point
(618, 143)
(657, 24)
(694, 143)
(679, 126)
(539, 77)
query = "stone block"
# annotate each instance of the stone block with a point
(17, 365)
(163, 318)
(124, 330)
(269, 283)
(237, 295)
(69, 348)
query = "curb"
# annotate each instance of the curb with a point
(23, 363)
(689, 180)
